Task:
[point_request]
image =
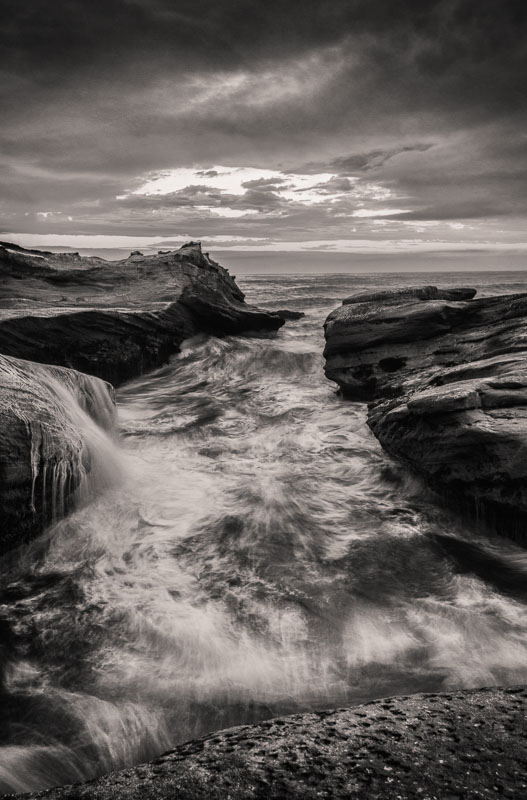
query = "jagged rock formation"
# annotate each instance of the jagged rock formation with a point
(116, 319)
(50, 418)
(406, 747)
(446, 380)
(113, 320)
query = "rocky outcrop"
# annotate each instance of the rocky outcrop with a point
(412, 293)
(284, 314)
(51, 423)
(33, 279)
(468, 744)
(446, 382)
(116, 319)
(113, 320)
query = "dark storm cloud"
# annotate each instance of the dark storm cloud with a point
(460, 43)
(424, 98)
(258, 199)
(361, 162)
(270, 184)
(73, 31)
(478, 174)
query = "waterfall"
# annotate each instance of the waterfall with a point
(59, 445)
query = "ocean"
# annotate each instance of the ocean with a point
(255, 554)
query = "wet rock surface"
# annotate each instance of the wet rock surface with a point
(116, 319)
(283, 313)
(446, 382)
(45, 415)
(113, 320)
(461, 745)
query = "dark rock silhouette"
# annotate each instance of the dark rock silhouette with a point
(446, 382)
(283, 313)
(465, 744)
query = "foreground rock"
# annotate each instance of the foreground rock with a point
(465, 745)
(116, 319)
(51, 424)
(446, 380)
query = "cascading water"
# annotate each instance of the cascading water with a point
(261, 555)
(66, 417)
(86, 405)
(73, 456)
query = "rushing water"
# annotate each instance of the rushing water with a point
(259, 555)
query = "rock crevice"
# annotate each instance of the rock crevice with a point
(445, 377)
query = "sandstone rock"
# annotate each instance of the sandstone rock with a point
(124, 317)
(50, 421)
(447, 385)
(417, 292)
(467, 744)
(113, 320)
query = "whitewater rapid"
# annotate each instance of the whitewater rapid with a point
(259, 554)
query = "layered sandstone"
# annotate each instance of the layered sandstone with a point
(445, 377)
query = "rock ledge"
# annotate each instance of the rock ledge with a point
(463, 745)
(117, 319)
(446, 382)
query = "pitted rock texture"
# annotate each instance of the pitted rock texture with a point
(446, 382)
(457, 746)
(44, 447)
(116, 319)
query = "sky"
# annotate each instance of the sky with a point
(351, 132)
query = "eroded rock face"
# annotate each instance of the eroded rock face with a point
(35, 279)
(412, 292)
(467, 744)
(113, 320)
(51, 423)
(116, 319)
(446, 380)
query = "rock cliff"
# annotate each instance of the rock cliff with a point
(467, 744)
(113, 320)
(116, 319)
(446, 381)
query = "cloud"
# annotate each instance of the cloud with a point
(354, 163)
(324, 117)
(270, 184)
(235, 191)
(220, 243)
(378, 212)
